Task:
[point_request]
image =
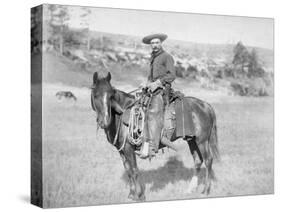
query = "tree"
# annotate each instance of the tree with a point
(241, 56)
(85, 17)
(255, 69)
(58, 24)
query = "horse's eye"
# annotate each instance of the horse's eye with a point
(95, 95)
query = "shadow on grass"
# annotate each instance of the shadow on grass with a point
(172, 172)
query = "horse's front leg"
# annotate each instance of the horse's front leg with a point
(129, 174)
(137, 188)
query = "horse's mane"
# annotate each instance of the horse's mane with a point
(128, 95)
(123, 98)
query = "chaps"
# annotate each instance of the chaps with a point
(154, 121)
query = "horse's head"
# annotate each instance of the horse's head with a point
(103, 101)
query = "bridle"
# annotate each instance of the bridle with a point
(119, 123)
(94, 106)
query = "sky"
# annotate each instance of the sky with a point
(200, 28)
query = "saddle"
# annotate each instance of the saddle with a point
(177, 118)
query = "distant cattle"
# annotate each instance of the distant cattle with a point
(66, 94)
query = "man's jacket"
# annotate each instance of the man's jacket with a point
(162, 67)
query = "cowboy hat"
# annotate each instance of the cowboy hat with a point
(148, 38)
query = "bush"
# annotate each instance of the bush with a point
(239, 88)
(180, 71)
(74, 38)
(255, 87)
(191, 72)
(102, 44)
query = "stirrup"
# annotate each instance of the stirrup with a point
(151, 155)
(146, 151)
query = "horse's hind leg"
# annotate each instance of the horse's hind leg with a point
(209, 171)
(198, 160)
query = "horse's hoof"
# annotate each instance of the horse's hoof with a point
(192, 185)
(142, 198)
(206, 190)
(131, 196)
(135, 197)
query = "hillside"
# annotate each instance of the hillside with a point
(221, 52)
(60, 69)
(205, 66)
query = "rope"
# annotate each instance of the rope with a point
(136, 123)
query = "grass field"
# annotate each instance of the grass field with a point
(81, 168)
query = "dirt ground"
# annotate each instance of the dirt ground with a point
(81, 168)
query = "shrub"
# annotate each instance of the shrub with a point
(254, 87)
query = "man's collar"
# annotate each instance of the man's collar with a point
(157, 53)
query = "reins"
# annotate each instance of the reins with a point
(119, 122)
(135, 90)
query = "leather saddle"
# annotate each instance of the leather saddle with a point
(177, 118)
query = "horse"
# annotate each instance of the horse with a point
(66, 94)
(110, 103)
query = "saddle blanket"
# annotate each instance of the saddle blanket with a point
(184, 120)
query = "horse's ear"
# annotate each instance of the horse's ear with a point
(108, 77)
(95, 78)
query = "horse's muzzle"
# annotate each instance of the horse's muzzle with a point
(103, 123)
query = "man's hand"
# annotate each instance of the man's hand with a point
(154, 85)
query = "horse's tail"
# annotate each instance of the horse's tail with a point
(213, 141)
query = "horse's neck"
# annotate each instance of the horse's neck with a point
(123, 99)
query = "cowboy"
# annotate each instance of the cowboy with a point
(161, 75)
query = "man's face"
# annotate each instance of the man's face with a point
(156, 44)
